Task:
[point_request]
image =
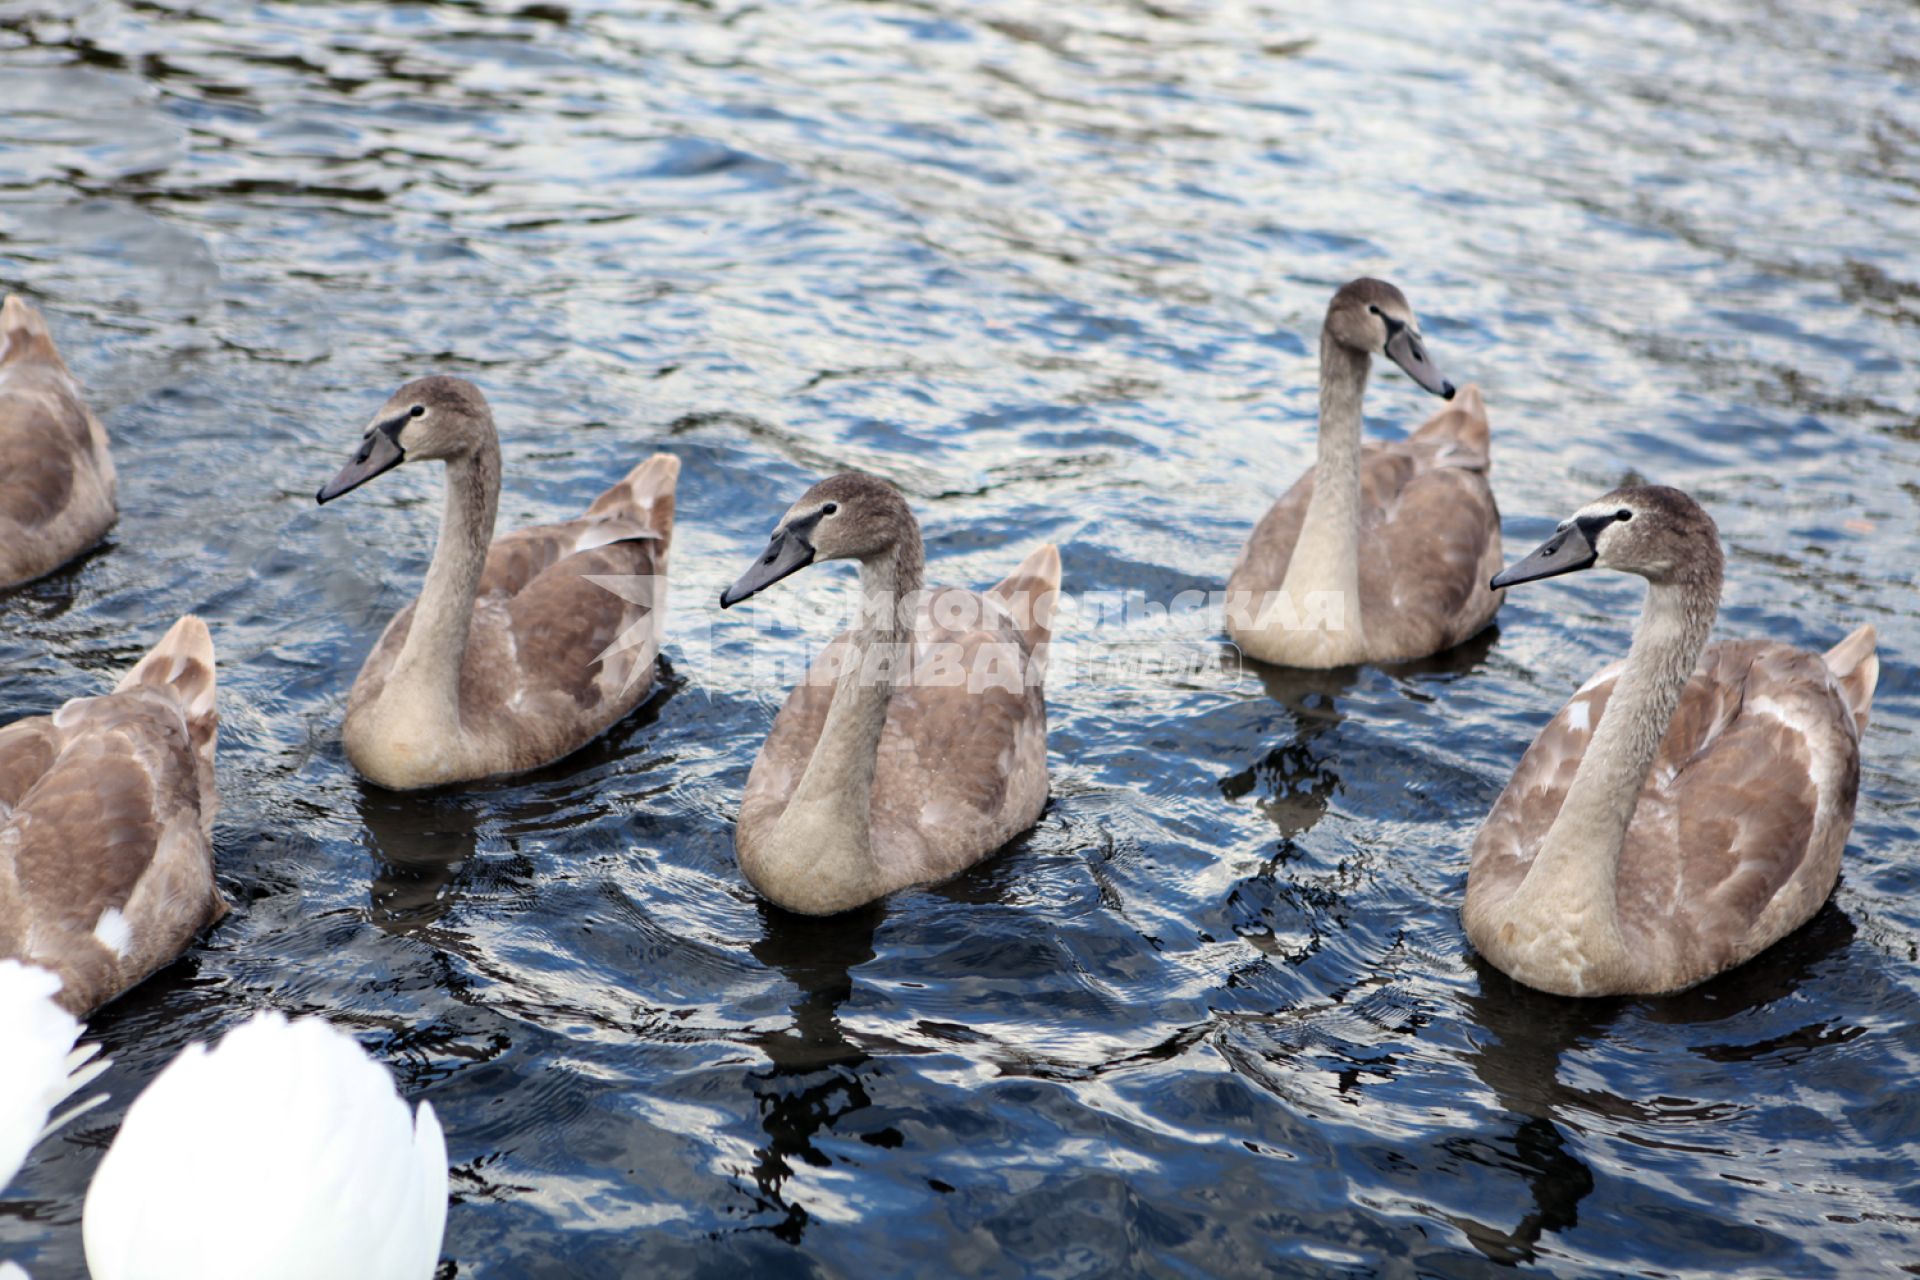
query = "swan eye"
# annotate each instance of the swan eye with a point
(829, 509)
(1376, 311)
(418, 411)
(1623, 515)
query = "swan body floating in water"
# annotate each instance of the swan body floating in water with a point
(1381, 553)
(106, 825)
(283, 1151)
(1689, 806)
(513, 656)
(917, 744)
(57, 483)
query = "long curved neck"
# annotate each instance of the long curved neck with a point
(1578, 865)
(428, 668)
(833, 801)
(1326, 557)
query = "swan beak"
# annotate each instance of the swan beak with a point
(1567, 551)
(1405, 349)
(379, 451)
(788, 551)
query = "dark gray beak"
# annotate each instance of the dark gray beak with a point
(788, 551)
(1565, 552)
(1406, 349)
(380, 451)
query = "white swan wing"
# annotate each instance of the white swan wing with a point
(39, 1067)
(319, 1169)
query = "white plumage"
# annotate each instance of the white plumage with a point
(284, 1151)
(39, 1067)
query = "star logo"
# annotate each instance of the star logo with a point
(647, 592)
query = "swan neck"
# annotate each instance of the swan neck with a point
(1579, 860)
(1326, 557)
(1343, 388)
(436, 647)
(835, 793)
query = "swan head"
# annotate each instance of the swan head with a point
(1374, 318)
(440, 417)
(1655, 532)
(850, 516)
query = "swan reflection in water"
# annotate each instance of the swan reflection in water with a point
(419, 844)
(1289, 903)
(816, 1077)
(1296, 780)
(1532, 1032)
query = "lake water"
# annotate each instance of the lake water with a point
(1057, 270)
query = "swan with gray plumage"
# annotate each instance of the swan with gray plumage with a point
(917, 743)
(1688, 807)
(519, 650)
(106, 825)
(1379, 553)
(57, 482)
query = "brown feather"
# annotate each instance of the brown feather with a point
(533, 684)
(1737, 835)
(57, 484)
(961, 765)
(109, 806)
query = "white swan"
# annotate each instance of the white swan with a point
(283, 1152)
(1683, 812)
(1381, 553)
(39, 1067)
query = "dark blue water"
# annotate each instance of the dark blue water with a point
(1057, 270)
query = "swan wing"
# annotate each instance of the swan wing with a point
(1504, 848)
(1741, 824)
(1430, 534)
(326, 1173)
(39, 1067)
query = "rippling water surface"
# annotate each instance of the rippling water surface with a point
(1057, 270)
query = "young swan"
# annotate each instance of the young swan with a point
(56, 476)
(513, 656)
(1682, 812)
(917, 744)
(1378, 554)
(106, 825)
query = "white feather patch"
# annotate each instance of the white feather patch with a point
(1577, 716)
(113, 931)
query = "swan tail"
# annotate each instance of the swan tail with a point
(1031, 592)
(182, 663)
(1461, 423)
(1856, 668)
(645, 495)
(24, 333)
